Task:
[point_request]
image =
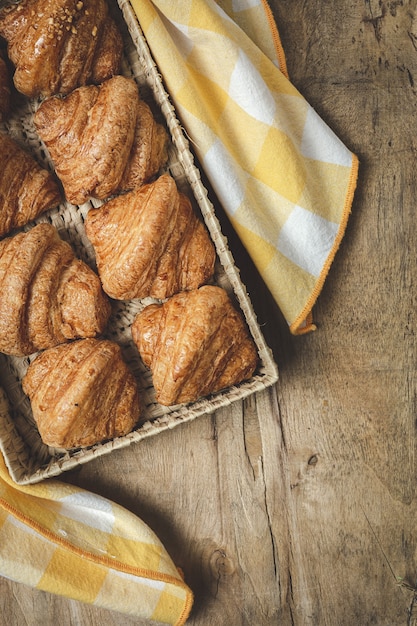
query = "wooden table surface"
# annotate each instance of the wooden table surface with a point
(298, 506)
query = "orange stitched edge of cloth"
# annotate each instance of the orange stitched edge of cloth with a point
(276, 38)
(305, 316)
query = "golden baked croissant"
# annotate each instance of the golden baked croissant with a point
(149, 242)
(195, 344)
(82, 393)
(47, 296)
(26, 188)
(58, 45)
(5, 87)
(95, 139)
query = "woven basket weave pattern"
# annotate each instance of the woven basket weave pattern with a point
(28, 459)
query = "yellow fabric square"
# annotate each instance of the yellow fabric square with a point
(168, 605)
(206, 135)
(326, 205)
(290, 117)
(135, 553)
(72, 576)
(275, 80)
(148, 14)
(190, 96)
(289, 179)
(262, 251)
(39, 509)
(182, 10)
(281, 275)
(208, 54)
(244, 146)
(202, 16)
(169, 56)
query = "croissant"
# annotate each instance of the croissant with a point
(48, 296)
(82, 393)
(102, 139)
(59, 45)
(26, 188)
(5, 87)
(149, 242)
(195, 344)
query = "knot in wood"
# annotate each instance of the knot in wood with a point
(221, 564)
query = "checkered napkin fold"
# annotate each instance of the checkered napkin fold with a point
(284, 179)
(68, 541)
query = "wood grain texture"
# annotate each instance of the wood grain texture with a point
(297, 506)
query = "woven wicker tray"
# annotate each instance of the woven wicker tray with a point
(27, 458)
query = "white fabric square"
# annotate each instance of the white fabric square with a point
(321, 144)
(249, 90)
(306, 239)
(88, 509)
(220, 168)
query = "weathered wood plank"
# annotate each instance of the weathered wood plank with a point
(351, 408)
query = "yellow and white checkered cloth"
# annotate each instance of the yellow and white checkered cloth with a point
(284, 179)
(286, 183)
(70, 542)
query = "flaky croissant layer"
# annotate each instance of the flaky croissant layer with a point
(82, 393)
(47, 295)
(5, 86)
(59, 45)
(102, 139)
(196, 343)
(149, 242)
(26, 188)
